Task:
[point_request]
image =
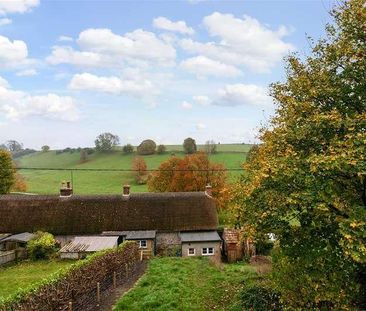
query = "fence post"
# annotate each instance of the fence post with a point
(70, 305)
(98, 292)
(141, 255)
(114, 279)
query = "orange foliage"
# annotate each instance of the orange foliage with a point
(20, 184)
(191, 173)
(140, 167)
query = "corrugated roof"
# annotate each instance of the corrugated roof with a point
(132, 235)
(20, 237)
(200, 236)
(90, 244)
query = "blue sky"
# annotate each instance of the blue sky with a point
(165, 70)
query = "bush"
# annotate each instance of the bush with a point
(263, 247)
(147, 147)
(260, 298)
(127, 148)
(45, 148)
(161, 149)
(7, 172)
(42, 246)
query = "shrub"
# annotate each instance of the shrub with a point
(161, 149)
(7, 172)
(147, 147)
(127, 148)
(20, 184)
(42, 246)
(260, 298)
(189, 145)
(140, 170)
(263, 247)
(45, 148)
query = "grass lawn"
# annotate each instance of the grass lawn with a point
(187, 284)
(25, 273)
(86, 182)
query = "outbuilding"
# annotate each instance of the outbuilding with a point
(205, 243)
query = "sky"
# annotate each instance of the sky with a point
(164, 70)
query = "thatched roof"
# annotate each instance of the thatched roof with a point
(180, 211)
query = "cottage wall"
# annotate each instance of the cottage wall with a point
(198, 248)
(168, 243)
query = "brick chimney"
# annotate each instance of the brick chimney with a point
(66, 189)
(208, 190)
(126, 190)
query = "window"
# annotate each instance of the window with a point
(143, 244)
(191, 251)
(208, 251)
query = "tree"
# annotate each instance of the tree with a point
(307, 181)
(127, 148)
(191, 173)
(7, 172)
(106, 142)
(13, 146)
(147, 147)
(210, 147)
(189, 145)
(161, 149)
(252, 153)
(140, 170)
(83, 155)
(45, 148)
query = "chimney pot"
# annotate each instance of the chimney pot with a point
(209, 190)
(66, 189)
(126, 190)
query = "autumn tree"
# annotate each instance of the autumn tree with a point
(127, 149)
(7, 172)
(140, 170)
(189, 145)
(106, 142)
(307, 181)
(20, 184)
(191, 173)
(146, 147)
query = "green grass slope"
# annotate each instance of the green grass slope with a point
(104, 182)
(187, 284)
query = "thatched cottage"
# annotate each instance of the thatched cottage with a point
(67, 216)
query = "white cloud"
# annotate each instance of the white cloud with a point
(13, 53)
(5, 21)
(241, 42)
(186, 105)
(112, 85)
(17, 105)
(17, 6)
(202, 100)
(242, 94)
(27, 73)
(202, 66)
(3, 83)
(65, 38)
(166, 24)
(139, 44)
(67, 55)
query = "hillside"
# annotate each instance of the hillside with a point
(107, 182)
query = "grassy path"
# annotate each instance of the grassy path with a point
(187, 284)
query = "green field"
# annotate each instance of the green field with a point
(101, 182)
(26, 273)
(188, 284)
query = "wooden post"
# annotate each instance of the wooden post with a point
(98, 292)
(114, 279)
(70, 305)
(141, 255)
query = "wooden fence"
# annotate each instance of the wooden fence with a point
(12, 255)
